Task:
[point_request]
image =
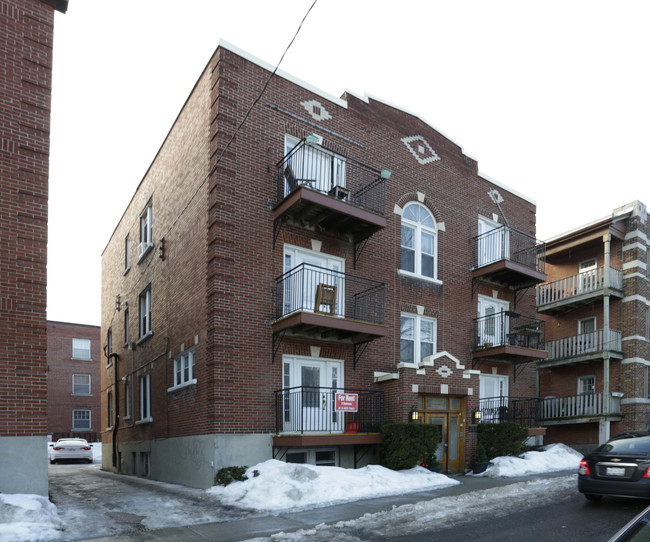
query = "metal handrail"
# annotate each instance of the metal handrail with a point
(508, 328)
(507, 243)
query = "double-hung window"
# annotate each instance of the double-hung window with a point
(184, 369)
(418, 337)
(419, 242)
(145, 398)
(145, 313)
(81, 420)
(146, 225)
(81, 349)
(80, 384)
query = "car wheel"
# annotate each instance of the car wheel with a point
(89, 460)
(593, 498)
(52, 461)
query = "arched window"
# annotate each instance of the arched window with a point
(419, 241)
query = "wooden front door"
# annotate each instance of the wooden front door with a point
(447, 415)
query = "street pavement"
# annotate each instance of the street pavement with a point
(239, 529)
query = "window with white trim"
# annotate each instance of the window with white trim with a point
(80, 384)
(81, 420)
(419, 241)
(81, 349)
(145, 312)
(127, 254)
(127, 400)
(586, 385)
(418, 338)
(146, 231)
(145, 397)
(184, 369)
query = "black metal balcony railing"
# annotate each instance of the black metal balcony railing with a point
(536, 411)
(306, 409)
(506, 243)
(585, 283)
(508, 328)
(316, 289)
(316, 168)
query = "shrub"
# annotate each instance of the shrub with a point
(500, 439)
(228, 475)
(481, 454)
(407, 444)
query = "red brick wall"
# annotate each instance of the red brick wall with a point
(26, 27)
(61, 366)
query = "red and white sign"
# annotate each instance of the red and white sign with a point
(347, 402)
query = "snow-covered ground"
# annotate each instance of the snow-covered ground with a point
(274, 486)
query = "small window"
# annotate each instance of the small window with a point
(80, 384)
(81, 420)
(419, 241)
(145, 312)
(127, 400)
(184, 368)
(146, 227)
(127, 337)
(127, 254)
(81, 349)
(586, 385)
(145, 397)
(417, 338)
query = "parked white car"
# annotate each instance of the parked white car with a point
(71, 448)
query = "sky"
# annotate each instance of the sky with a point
(550, 97)
(280, 487)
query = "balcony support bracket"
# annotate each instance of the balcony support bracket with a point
(277, 226)
(357, 352)
(358, 249)
(277, 341)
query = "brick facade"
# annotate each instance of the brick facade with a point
(218, 252)
(26, 27)
(62, 397)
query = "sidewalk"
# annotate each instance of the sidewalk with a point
(264, 526)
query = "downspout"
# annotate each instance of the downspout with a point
(116, 421)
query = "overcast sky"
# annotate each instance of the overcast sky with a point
(552, 98)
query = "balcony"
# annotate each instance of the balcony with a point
(568, 293)
(545, 411)
(509, 257)
(508, 336)
(324, 304)
(319, 189)
(582, 348)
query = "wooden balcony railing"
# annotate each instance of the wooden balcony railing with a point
(306, 409)
(581, 284)
(584, 344)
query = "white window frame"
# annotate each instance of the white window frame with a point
(79, 350)
(585, 379)
(127, 400)
(144, 318)
(146, 232)
(184, 370)
(77, 377)
(88, 416)
(420, 230)
(417, 322)
(145, 398)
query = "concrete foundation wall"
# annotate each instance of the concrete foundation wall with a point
(23, 465)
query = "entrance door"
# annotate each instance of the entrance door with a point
(493, 398)
(587, 335)
(492, 324)
(588, 279)
(446, 414)
(312, 396)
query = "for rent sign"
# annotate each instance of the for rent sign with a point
(347, 402)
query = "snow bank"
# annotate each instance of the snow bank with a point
(280, 486)
(552, 458)
(28, 518)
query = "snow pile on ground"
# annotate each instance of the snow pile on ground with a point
(554, 457)
(28, 517)
(275, 485)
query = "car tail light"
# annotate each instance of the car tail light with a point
(584, 468)
(647, 473)
(57, 448)
(86, 448)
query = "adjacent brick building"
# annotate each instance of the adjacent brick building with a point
(281, 289)
(73, 379)
(596, 303)
(26, 27)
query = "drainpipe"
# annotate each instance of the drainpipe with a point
(116, 396)
(607, 238)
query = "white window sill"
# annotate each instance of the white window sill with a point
(81, 359)
(81, 394)
(127, 418)
(183, 385)
(144, 420)
(408, 274)
(145, 337)
(145, 250)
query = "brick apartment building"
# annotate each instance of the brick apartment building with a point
(73, 378)
(337, 265)
(27, 28)
(596, 303)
